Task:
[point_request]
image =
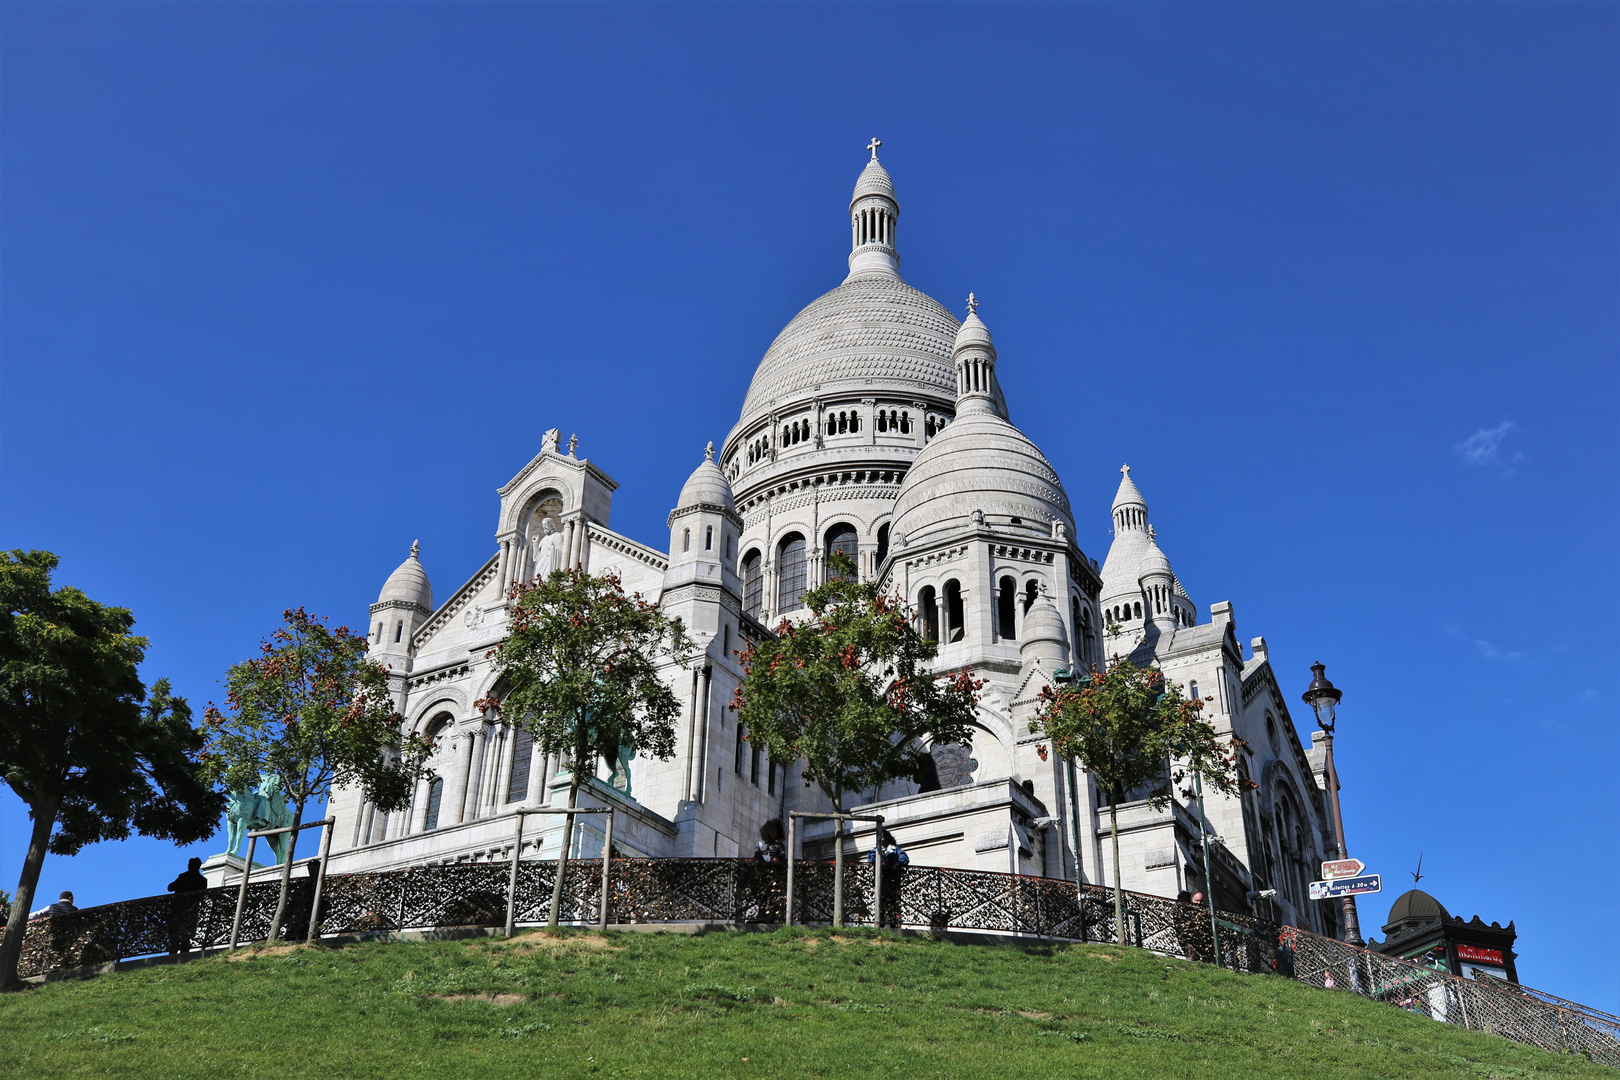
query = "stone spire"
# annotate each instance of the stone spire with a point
(974, 355)
(1130, 509)
(873, 212)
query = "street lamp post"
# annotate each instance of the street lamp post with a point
(1323, 697)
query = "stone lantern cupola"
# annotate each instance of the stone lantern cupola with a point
(873, 214)
(703, 530)
(1158, 583)
(1044, 640)
(402, 607)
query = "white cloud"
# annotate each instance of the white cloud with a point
(1486, 649)
(1484, 448)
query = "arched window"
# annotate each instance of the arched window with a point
(379, 633)
(1007, 609)
(517, 788)
(708, 538)
(842, 539)
(1271, 734)
(728, 545)
(686, 539)
(399, 631)
(753, 584)
(1139, 609)
(1192, 690)
(790, 573)
(905, 423)
(435, 797)
(832, 424)
(883, 544)
(882, 421)
(1032, 589)
(928, 611)
(855, 422)
(954, 619)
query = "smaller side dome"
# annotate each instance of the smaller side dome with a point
(409, 582)
(1154, 561)
(973, 331)
(1042, 625)
(707, 486)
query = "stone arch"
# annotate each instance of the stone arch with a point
(517, 508)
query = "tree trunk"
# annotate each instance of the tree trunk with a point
(17, 924)
(286, 875)
(1119, 889)
(562, 854)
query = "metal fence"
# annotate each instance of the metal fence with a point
(744, 891)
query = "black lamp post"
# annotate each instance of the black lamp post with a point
(1324, 697)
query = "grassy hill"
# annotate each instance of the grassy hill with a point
(794, 1003)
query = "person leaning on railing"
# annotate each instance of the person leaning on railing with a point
(894, 858)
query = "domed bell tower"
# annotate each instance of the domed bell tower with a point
(873, 214)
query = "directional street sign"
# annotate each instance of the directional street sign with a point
(1327, 890)
(1343, 868)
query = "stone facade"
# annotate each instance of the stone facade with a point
(875, 426)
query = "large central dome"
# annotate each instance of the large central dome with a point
(874, 333)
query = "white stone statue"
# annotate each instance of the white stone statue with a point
(548, 549)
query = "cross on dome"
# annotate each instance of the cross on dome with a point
(1126, 469)
(873, 145)
(416, 549)
(708, 451)
(973, 304)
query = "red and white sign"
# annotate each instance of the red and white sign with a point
(1343, 868)
(1479, 955)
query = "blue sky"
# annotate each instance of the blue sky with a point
(285, 287)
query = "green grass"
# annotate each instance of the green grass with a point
(796, 1004)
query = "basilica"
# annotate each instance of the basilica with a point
(874, 426)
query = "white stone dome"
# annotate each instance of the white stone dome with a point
(707, 486)
(974, 332)
(409, 582)
(874, 180)
(1153, 561)
(876, 334)
(979, 462)
(1043, 626)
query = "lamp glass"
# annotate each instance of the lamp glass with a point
(1325, 708)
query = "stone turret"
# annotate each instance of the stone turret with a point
(402, 607)
(873, 214)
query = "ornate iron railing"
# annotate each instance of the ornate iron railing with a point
(741, 891)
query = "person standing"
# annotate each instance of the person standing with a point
(895, 860)
(183, 908)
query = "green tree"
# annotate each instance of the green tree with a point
(312, 711)
(850, 690)
(1134, 732)
(581, 669)
(82, 743)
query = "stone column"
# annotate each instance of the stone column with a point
(568, 545)
(691, 736)
(455, 784)
(703, 731)
(501, 563)
(503, 769)
(475, 773)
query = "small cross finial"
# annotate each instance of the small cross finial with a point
(416, 548)
(573, 444)
(973, 304)
(1126, 469)
(708, 451)
(873, 145)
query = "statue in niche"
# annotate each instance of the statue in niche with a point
(620, 780)
(548, 550)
